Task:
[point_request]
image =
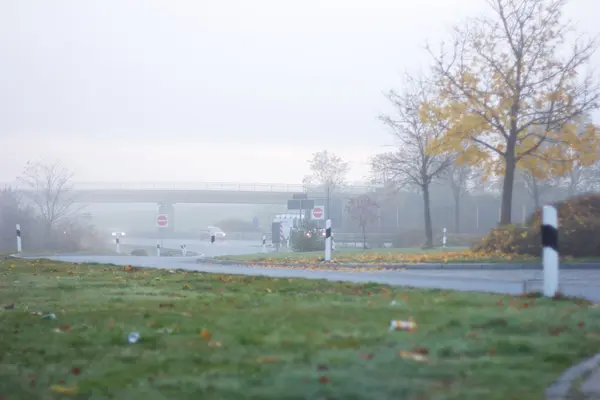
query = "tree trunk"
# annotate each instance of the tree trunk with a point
(364, 232)
(456, 212)
(427, 215)
(536, 192)
(507, 187)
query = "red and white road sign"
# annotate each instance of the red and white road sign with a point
(162, 220)
(317, 213)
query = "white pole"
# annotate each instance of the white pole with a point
(444, 238)
(19, 244)
(158, 248)
(328, 240)
(264, 244)
(117, 241)
(550, 250)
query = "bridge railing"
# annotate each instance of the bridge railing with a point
(219, 186)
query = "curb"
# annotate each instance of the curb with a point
(562, 387)
(421, 266)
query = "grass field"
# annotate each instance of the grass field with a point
(230, 337)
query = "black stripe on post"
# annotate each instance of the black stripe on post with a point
(550, 237)
(117, 240)
(327, 233)
(18, 233)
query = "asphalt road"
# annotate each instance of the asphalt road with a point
(573, 283)
(219, 248)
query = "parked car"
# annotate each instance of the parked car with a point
(206, 233)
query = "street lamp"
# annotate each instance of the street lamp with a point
(118, 236)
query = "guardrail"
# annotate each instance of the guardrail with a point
(218, 186)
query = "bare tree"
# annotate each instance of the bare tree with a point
(538, 189)
(364, 210)
(328, 171)
(413, 163)
(47, 187)
(508, 73)
(459, 178)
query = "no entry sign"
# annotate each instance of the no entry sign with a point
(162, 220)
(317, 213)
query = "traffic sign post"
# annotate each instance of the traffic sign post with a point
(162, 220)
(318, 213)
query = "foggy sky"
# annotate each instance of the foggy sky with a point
(209, 90)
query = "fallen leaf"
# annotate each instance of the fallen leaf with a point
(186, 286)
(75, 371)
(421, 350)
(367, 356)
(12, 265)
(215, 344)
(412, 356)
(323, 380)
(186, 314)
(205, 334)
(556, 330)
(267, 359)
(166, 305)
(491, 351)
(322, 367)
(68, 390)
(581, 324)
(10, 307)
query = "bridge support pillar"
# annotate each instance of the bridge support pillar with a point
(169, 210)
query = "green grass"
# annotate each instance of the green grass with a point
(273, 338)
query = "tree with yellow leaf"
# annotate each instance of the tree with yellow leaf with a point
(510, 89)
(411, 163)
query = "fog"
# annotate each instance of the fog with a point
(227, 90)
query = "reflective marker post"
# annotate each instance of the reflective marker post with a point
(550, 250)
(328, 240)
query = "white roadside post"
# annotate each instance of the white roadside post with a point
(158, 248)
(183, 250)
(444, 239)
(264, 244)
(117, 236)
(550, 250)
(19, 244)
(328, 240)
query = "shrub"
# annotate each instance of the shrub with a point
(578, 234)
(301, 242)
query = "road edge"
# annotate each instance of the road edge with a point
(415, 266)
(563, 387)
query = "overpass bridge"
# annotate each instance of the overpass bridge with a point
(167, 194)
(200, 192)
